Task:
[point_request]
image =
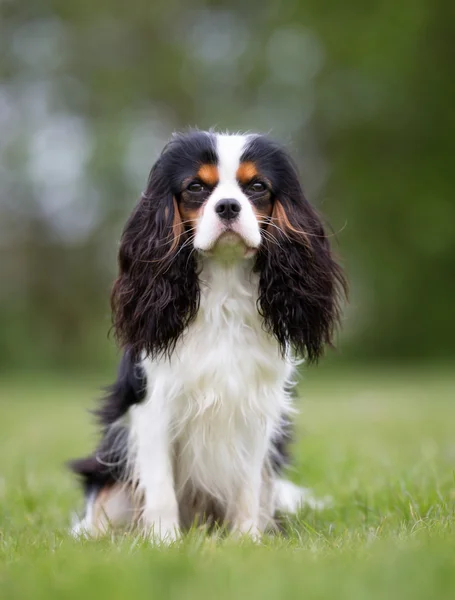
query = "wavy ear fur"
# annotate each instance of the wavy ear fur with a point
(156, 294)
(300, 285)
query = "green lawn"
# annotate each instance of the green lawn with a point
(381, 443)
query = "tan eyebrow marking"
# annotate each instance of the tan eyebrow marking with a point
(246, 172)
(208, 174)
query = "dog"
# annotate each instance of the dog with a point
(226, 281)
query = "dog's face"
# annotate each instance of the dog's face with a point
(225, 195)
(227, 200)
(223, 192)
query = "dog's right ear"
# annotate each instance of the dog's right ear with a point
(156, 294)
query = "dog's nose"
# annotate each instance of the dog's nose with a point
(228, 209)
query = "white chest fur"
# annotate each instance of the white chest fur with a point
(223, 390)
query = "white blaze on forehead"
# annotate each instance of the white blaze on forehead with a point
(229, 150)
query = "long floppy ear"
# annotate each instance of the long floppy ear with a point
(301, 286)
(156, 293)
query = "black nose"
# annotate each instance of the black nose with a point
(228, 209)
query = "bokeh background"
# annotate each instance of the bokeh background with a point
(362, 93)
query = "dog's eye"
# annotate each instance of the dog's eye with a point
(195, 187)
(257, 186)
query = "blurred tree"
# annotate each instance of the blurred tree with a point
(362, 93)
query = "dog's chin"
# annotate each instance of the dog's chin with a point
(230, 246)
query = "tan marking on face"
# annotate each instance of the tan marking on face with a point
(190, 216)
(263, 213)
(177, 227)
(208, 174)
(282, 221)
(246, 172)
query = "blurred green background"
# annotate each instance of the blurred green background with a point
(362, 93)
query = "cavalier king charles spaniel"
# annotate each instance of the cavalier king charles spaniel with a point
(226, 279)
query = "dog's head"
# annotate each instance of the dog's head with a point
(225, 198)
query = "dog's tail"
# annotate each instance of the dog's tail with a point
(290, 498)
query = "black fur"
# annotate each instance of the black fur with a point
(108, 463)
(128, 389)
(156, 294)
(280, 455)
(300, 284)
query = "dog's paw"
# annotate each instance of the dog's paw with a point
(247, 529)
(163, 534)
(160, 529)
(83, 529)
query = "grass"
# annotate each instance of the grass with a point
(381, 443)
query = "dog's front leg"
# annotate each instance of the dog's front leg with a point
(154, 471)
(246, 518)
(246, 521)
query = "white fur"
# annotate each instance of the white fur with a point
(211, 410)
(290, 498)
(115, 508)
(216, 403)
(83, 527)
(229, 150)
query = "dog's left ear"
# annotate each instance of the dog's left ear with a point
(301, 285)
